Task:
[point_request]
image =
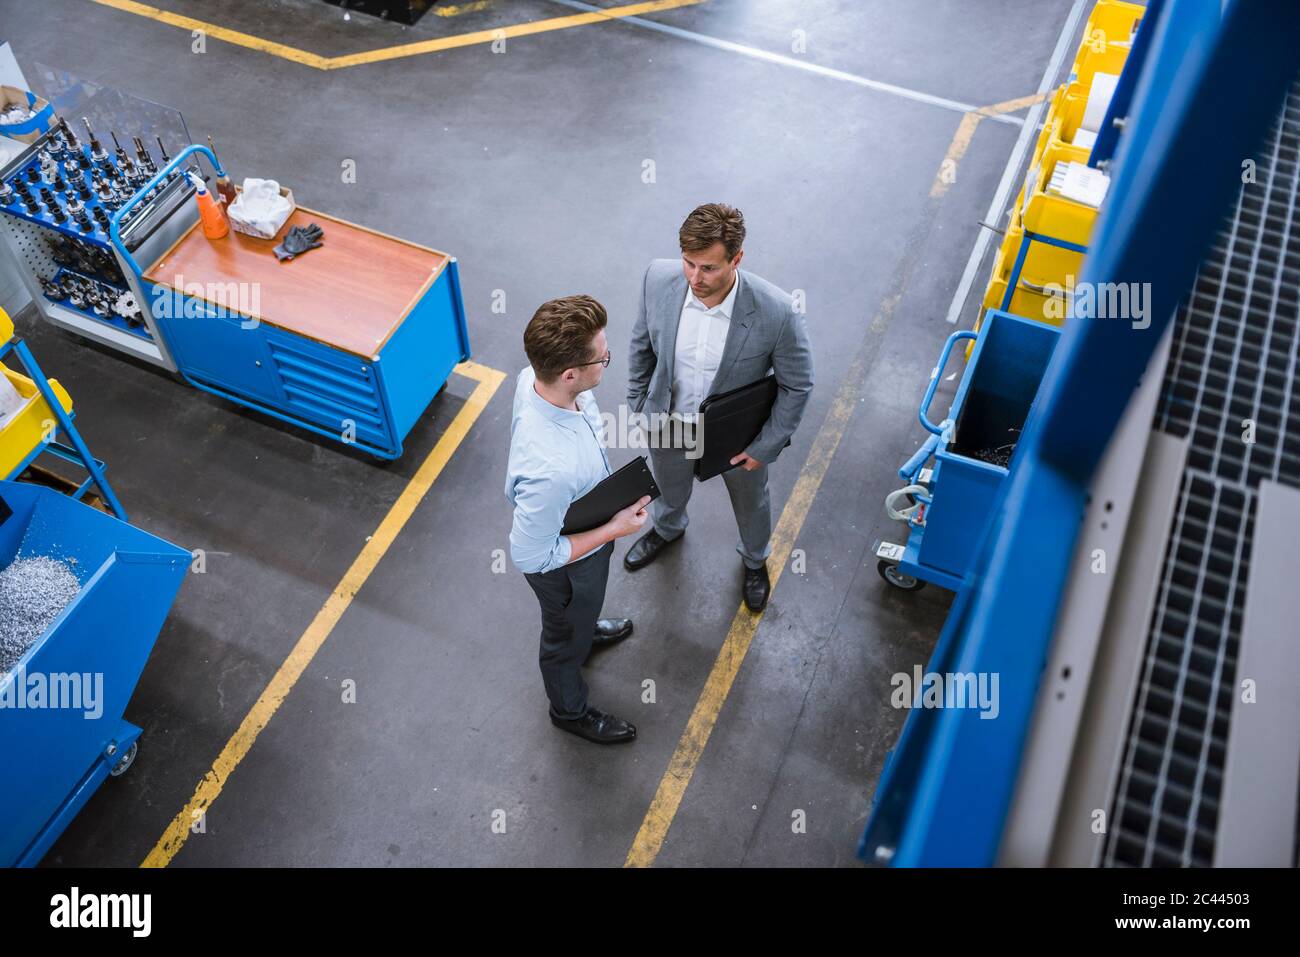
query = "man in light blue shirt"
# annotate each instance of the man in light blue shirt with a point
(557, 455)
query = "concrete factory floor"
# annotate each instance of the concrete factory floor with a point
(528, 165)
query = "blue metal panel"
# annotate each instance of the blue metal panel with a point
(912, 564)
(215, 345)
(419, 358)
(19, 213)
(123, 738)
(963, 490)
(1203, 101)
(458, 300)
(1122, 99)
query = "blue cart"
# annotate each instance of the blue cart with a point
(351, 341)
(950, 502)
(59, 747)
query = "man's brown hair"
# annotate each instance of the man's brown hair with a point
(713, 223)
(559, 335)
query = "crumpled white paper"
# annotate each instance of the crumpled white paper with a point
(259, 210)
(10, 400)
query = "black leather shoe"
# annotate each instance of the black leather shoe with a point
(597, 726)
(610, 631)
(646, 550)
(757, 587)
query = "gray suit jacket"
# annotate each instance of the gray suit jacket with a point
(766, 333)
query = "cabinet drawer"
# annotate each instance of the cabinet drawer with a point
(328, 387)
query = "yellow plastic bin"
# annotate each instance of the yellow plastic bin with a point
(1044, 264)
(1061, 127)
(1056, 216)
(1106, 40)
(29, 427)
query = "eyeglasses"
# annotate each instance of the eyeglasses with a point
(604, 362)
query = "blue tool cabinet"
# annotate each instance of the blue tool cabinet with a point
(351, 341)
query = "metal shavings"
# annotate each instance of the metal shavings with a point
(32, 593)
(1000, 456)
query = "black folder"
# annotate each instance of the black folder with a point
(615, 493)
(729, 422)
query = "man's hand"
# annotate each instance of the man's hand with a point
(623, 523)
(630, 519)
(747, 462)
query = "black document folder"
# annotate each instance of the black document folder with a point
(729, 422)
(613, 494)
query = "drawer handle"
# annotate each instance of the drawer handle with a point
(1043, 290)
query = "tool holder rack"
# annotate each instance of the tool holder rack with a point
(153, 217)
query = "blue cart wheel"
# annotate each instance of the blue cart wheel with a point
(125, 761)
(890, 573)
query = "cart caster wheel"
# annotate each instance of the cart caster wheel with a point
(125, 761)
(890, 573)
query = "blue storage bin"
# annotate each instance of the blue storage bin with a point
(55, 758)
(992, 402)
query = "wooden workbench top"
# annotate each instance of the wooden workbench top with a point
(350, 294)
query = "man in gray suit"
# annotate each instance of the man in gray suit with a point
(705, 327)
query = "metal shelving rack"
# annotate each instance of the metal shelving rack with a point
(1024, 789)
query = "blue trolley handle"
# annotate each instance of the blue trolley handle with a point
(114, 224)
(913, 465)
(934, 379)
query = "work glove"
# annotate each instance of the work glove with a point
(298, 240)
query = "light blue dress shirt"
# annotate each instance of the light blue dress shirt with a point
(556, 456)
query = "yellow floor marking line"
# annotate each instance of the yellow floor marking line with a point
(219, 33)
(307, 58)
(517, 30)
(966, 130)
(654, 827)
(259, 716)
(456, 9)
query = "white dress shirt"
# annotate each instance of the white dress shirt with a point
(701, 336)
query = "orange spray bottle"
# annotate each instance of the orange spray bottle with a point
(214, 221)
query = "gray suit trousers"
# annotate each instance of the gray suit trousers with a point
(674, 473)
